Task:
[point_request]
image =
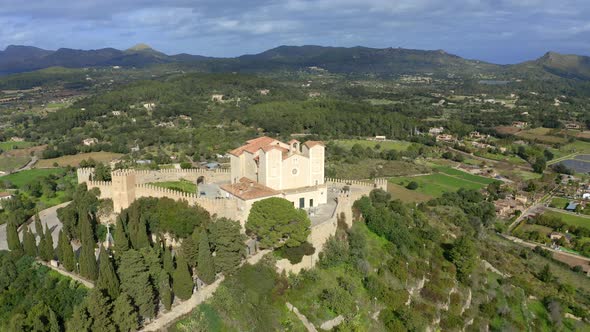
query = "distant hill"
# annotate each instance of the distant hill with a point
(345, 60)
(563, 65)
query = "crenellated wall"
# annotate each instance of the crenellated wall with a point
(105, 188)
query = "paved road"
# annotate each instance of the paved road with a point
(48, 217)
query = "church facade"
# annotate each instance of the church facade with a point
(265, 167)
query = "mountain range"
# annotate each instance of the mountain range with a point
(346, 60)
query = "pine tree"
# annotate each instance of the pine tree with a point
(107, 278)
(100, 310)
(165, 290)
(38, 226)
(205, 265)
(124, 314)
(121, 240)
(48, 249)
(12, 236)
(30, 244)
(135, 281)
(87, 259)
(66, 252)
(168, 261)
(183, 282)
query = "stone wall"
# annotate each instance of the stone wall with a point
(104, 187)
(129, 185)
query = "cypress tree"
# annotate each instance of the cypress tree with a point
(86, 234)
(107, 278)
(165, 290)
(65, 252)
(88, 262)
(100, 310)
(121, 240)
(12, 236)
(168, 261)
(183, 282)
(38, 226)
(48, 249)
(30, 243)
(205, 264)
(135, 281)
(142, 235)
(124, 314)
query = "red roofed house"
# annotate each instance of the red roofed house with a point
(265, 167)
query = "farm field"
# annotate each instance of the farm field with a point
(571, 219)
(22, 178)
(75, 160)
(438, 183)
(184, 186)
(406, 195)
(559, 202)
(369, 168)
(9, 163)
(7, 146)
(385, 145)
(542, 135)
(465, 176)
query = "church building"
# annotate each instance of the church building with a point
(265, 167)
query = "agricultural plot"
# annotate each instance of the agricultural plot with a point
(406, 195)
(438, 183)
(543, 135)
(9, 163)
(571, 219)
(103, 157)
(7, 146)
(20, 179)
(385, 145)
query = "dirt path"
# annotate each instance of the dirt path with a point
(76, 277)
(309, 326)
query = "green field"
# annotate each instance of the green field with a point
(7, 146)
(386, 145)
(571, 219)
(406, 195)
(448, 180)
(22, 178)
(184, 186)
(559, 202)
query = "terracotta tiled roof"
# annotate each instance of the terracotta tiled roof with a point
(253, 145)
(311, 144)
(247, 189)
(5, 194)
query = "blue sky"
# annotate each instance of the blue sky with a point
(500, 31)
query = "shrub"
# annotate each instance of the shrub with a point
(295, 254)
(413, 185)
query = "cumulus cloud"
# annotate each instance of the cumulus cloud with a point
(493, 30)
